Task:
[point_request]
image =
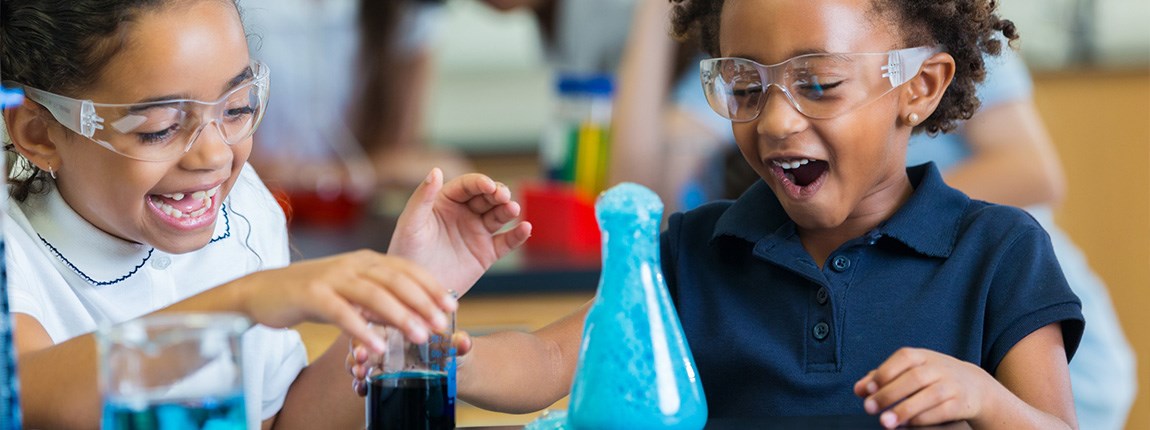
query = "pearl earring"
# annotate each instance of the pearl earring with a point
(51, 172)
(912, 119)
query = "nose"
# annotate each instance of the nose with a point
(779, 118)
(208, 149)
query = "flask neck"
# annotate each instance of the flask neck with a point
(630, 258)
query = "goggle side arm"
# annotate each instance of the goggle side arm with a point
(78, 115)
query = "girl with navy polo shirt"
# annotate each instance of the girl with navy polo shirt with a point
(843, 282)
(131, 195)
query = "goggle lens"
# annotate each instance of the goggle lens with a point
(162, 130)
(816, 85)
(165, 130)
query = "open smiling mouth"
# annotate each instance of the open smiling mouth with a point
(180, 205)
(800, 177)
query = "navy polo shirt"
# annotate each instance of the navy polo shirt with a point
(772, 334)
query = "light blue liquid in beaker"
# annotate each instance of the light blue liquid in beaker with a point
(635, 369)
(208, 413)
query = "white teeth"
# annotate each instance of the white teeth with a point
(171, 211)
(794, 164)
(204, 197)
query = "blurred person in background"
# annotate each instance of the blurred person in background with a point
(353, 76)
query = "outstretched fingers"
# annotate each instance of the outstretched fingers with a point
(498, 217)
(411, 299)
(509, 240)
(466, 188)
(422, 200)
(339, 312)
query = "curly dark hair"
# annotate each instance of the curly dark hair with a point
(964, 28)
(61, 46)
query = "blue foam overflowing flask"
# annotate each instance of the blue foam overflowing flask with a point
(635, 369)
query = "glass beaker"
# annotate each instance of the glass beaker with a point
(173, 371)
(411, 386)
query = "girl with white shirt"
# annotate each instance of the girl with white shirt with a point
(131, 195)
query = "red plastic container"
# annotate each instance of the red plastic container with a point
(563, 221)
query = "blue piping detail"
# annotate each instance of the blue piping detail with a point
(227, 234)
(85, 275)
(227, 224)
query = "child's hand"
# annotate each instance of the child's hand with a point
(924, 387)
(359, 360)
(348, 290)
(451, 229)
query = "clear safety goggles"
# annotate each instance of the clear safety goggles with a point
(161, 130)
(817, 85)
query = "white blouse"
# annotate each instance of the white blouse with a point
(72, 277)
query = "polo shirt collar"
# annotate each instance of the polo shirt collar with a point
(98, 257)
(928, 222)
(755, 215)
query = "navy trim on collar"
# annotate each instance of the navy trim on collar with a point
(928, 222)
(227, 225)
(227, 233)
(81, 273)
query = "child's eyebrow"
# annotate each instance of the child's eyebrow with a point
(790, 55)
(244, 75)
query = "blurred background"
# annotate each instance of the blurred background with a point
(508, 88)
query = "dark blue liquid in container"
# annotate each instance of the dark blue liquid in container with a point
(410, 401)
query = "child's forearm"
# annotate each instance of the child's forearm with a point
(1032, 386)
(518, 372)
(61, 377)
(322, 395)
(1007, 411)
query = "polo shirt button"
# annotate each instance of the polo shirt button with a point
(840, 263)
(822, 295)
(161, 262)
(821, 331)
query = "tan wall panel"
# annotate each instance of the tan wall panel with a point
(1101, 125)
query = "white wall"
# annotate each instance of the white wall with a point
(1117, 36)
(491, 89)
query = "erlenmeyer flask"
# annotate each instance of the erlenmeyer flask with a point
(635, 369)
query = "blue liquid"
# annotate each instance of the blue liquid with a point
(9, 386)
(410, 401)
(193, 414)
(635, 368)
